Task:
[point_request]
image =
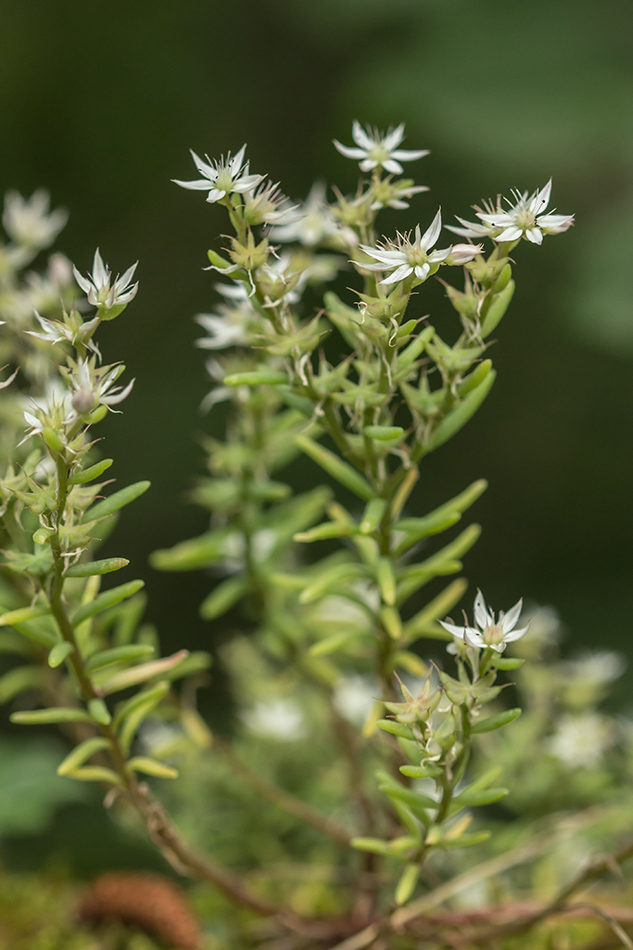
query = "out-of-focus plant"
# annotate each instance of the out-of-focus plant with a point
(346, 806)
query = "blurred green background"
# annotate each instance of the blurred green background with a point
(100, 103)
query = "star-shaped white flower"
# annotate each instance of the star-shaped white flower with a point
(406, 257)
(489, 632)
(524, 219)
(222, 177)
(376, 149)
(103, 292)
(92, 387)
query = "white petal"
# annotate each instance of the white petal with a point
(238, 160)
(482, 618)
(198, 185)
(361, 137)
(510, 234)
(510, 619)
(367, 164)
(395, 168)
(85, 284)
(8, 381)
(118, 397)
(205, 169)
(215, 195)
(456, 631)
(535, 235)
(555, 223)
(516, 634)
(541, 198)
(409, 154)
(123, 281)
(422, 271)
(349, 151)
(392, 139)
(432, 233)
(100, 273)
(403, 271)
(473, 638)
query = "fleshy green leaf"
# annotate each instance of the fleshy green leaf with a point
(142, 763)
(108, 599)
(496, 722)
(81, 754)
(59, 653)
(458, 417)
(256, 377)
(39, 717)
(126, 654)
(89, 474)
(336, 467)
(116, 501)
(89, 568)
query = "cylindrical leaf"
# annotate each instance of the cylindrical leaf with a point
(256, 377)
(40, 717)
(59, 653)
(90, 568)
(118, 500)
(142, 763)
(125, 654)
(81, 754)
(108, 599)
(336, 467)
(496, 722)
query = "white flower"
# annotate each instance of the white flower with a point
(407, 257)
(524, 219)
(227, 327)
(354, 697)
(108, 296)
(28, 221)
(489, 632)
(309, 222)
(581, 741)
(392, 194)
(222, 177)
(376, 149)
(266, 204)
(92, 387)
(51, 411)
(57, 332)
(279, 719)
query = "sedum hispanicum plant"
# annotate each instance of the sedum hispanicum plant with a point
(360, 784)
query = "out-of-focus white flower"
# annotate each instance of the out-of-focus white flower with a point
(110, 297)
(392, 194)
(29, 222)
(596, 668)
(489, 632)
(354, 697)
(279, 719)
(226, 327)
(524, 219)
(310, 222)
(582, 740)
(222, 177)
(379, 150)
(406, 256)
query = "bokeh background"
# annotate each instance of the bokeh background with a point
(100, 103)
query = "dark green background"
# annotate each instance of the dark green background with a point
(99, 102)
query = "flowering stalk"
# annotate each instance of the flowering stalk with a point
(400, 394)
